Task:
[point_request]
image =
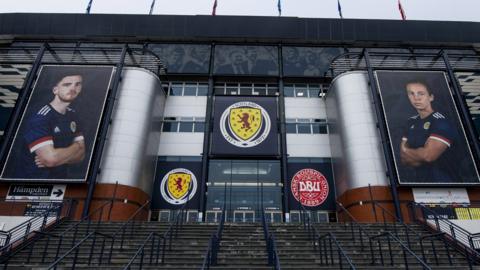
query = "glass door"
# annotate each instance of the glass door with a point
(243, 188)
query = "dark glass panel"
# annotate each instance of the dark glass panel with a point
(219, 171)
(242, 60)
(170, 126)
(199, 127)
(186, 127)
(304, 128)
(308, 61)
(202, 89)
(288, 91)
(269, 171)
(291, 128)
(176, 90)
(184, 58)
(190, 90)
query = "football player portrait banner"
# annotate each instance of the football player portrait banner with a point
(177, 183)
(311, 185)
(245, 126)
(57, 132)
(427, 138)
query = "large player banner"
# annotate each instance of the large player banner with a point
(57, 133)
(245, 126)
(427, 138)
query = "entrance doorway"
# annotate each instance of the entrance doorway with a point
(244, 188)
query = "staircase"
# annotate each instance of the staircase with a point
(242, 247)
(186, 253)
(296, 250)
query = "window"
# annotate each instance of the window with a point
(179, 158)
(186, 88)
(246, 89)
(306, 126)
(304, 90)
(184, 124)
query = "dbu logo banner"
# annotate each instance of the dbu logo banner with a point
(311, 185)
(245, 126)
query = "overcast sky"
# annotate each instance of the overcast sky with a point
(451, 10)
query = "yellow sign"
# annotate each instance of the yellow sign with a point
(468, 213)
(178, 184)
(245, 122)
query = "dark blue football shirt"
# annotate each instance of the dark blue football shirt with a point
(435, 127)
(47, 127)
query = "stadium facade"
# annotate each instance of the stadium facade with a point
(244, 113)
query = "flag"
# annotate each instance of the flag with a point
(89, 6)
(402, 12)
(339, 9)
(279, 6)
(151, 7)
(214, 10)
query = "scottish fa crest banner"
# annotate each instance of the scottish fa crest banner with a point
(177, 183)
(245, 126)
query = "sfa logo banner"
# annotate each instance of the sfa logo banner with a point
(176, 183)
(245, 126)
(178, 186)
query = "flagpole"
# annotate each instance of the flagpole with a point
(89, 6)
(214, 9)
(279, 6)
(339, 7)
(402, 11)
(151, 7)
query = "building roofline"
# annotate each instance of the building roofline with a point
(241, 29)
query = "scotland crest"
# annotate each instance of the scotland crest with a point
(245, 124)
(177, 184)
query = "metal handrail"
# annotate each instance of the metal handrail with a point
(76, 248)
(87, 218)
(455, 236)
(440, 236)
(322, 244)
(166, 238)
(89, 235)
(172, 232)
(273, 259)
(319, 240)
(396, 220)
(353, 222)
(405, 248)
(210, 257)
(141, 250)
(371, 238)
(26, 227)
(61, 234)
(130, 221)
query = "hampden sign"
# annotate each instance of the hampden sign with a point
(19, 192)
